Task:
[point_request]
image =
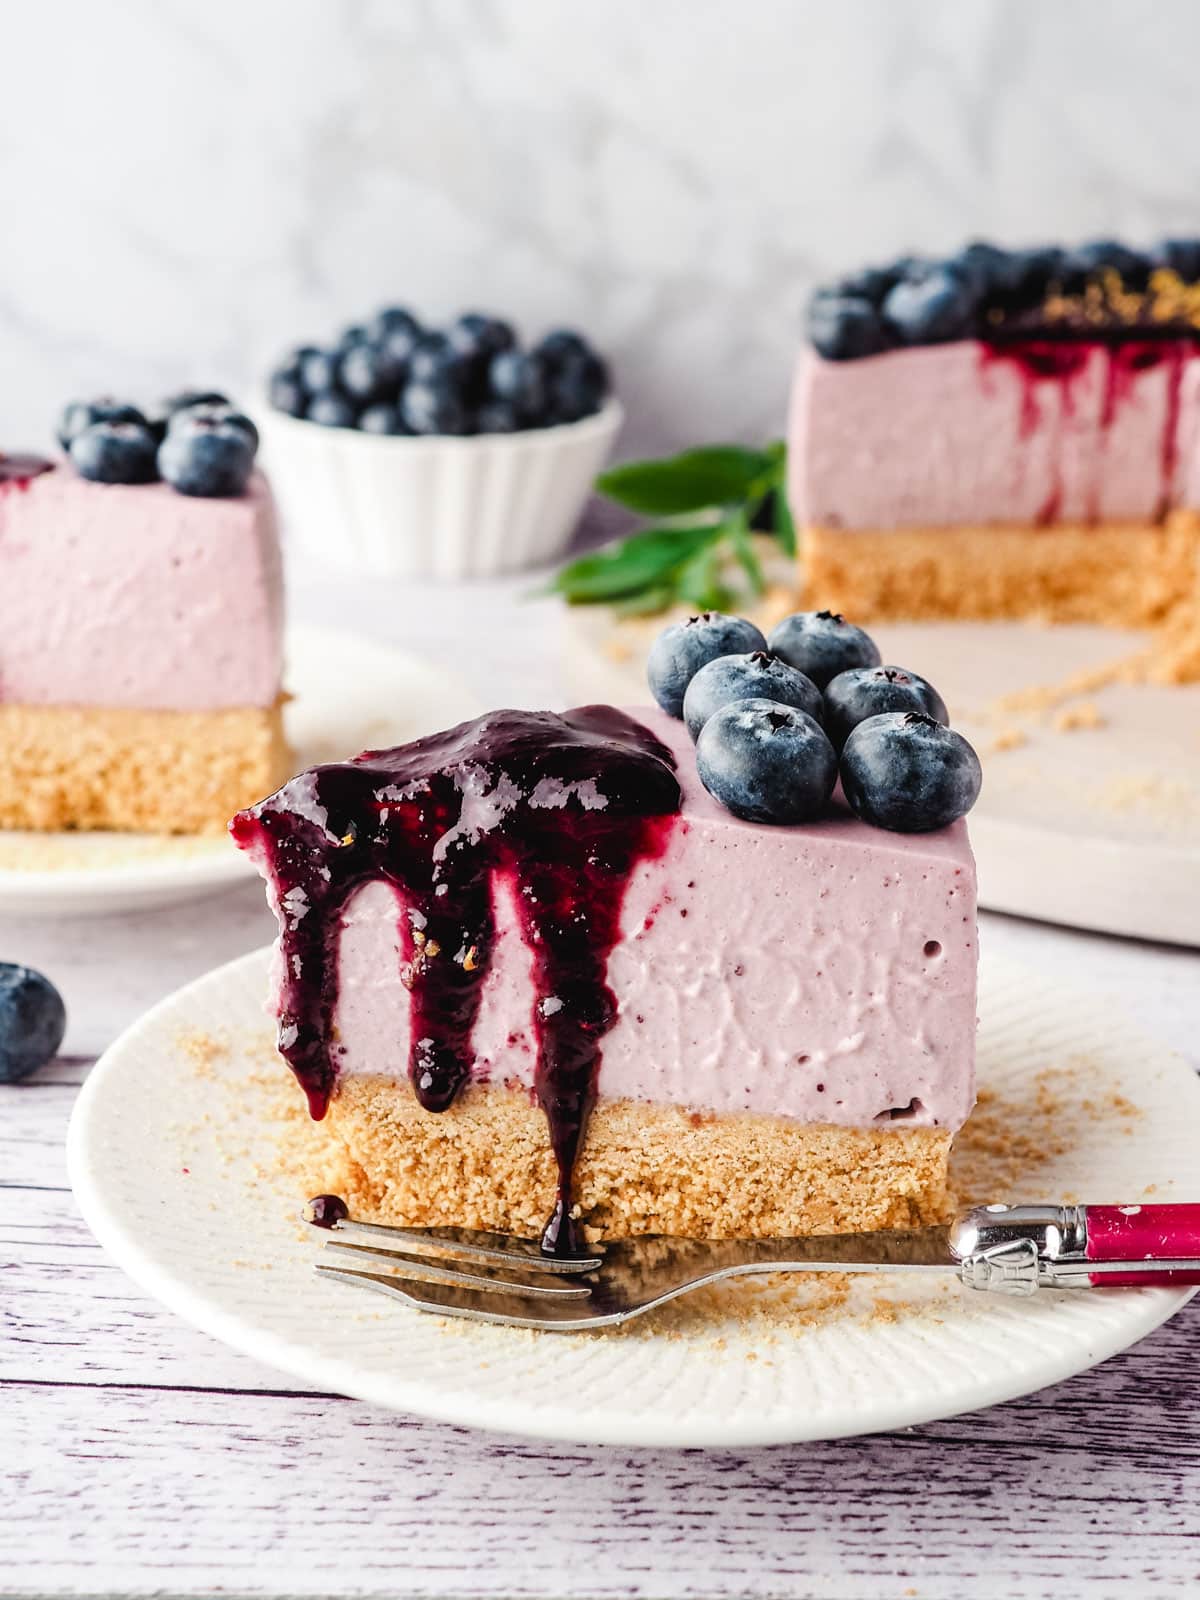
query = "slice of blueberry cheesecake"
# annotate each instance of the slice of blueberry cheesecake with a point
(141, 615)
(561, 973)
(1005, 433)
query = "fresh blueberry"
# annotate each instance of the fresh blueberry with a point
(756, 676)
(679, 652)
(434, 408)
(286, 393)
(905, 772)
(187, 398)
(210, 456)
(992, 272)
(766, 762)
(1131, 266)
(871, 284)
(1033, 271)
(864, 692)
(331, 410)
(561, 345)
(391, 322)
(520, 380)
(382, 418)
(115, 452)
(318, 370)
(475, 334)
(1181, 256)
(366, 373)
(433, 357)
(399, 344)
(81, 414)
(497, 416)
(821, 644)
(352, 336)
(33, 1021)
(578, 384)
(844, 327)
(160, 417)
(208, 414)
(933, 305)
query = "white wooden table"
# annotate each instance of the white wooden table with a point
(138, 1457)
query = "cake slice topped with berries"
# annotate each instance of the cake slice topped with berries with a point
(141, 618)
(574, 975)
(1005, 434)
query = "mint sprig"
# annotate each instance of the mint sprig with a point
(711, 499)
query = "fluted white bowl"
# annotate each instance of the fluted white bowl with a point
(433, 506)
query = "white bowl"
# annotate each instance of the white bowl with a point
(433, 506)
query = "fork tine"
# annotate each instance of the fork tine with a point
(551, 1316)
(435, 1271)
(467, 1244)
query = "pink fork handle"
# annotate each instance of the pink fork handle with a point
(1143, 1233)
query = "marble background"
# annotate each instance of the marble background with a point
(188, 188)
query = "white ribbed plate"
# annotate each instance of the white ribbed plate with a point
(346, 695)
(177, 1173)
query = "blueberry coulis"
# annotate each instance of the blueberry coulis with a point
(19, 469)
(564, 806)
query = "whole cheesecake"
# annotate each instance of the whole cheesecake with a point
(140, 651)
(1005, 434)
(537, 978)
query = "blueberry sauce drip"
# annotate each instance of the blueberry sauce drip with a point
(564, 807)
(326, 1210)
(1040, 362)
(19, 469)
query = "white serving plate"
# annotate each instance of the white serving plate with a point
(347, 695)
(177, 1171)
(1097, 828)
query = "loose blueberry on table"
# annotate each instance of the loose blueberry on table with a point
(33, 1021)
(767, 737)
(394, 376)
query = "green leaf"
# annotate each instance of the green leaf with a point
(714, 476)
(785, 525)
(639, 562)
(698, 581)
(737, 527)
(647, 604)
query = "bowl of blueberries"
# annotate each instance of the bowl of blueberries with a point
(404, 450)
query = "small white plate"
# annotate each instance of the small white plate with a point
(188, 1177)
(347, 695)
(1096, 825)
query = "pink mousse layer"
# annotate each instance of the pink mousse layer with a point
(135, 595)
(825, 973)
(964, 433)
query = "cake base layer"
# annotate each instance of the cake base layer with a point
(136, 771)
(485, 1163)
(1121, 574)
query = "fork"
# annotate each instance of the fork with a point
(1013, 1250)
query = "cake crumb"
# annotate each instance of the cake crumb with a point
(1071, 719)
(1008, 739)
